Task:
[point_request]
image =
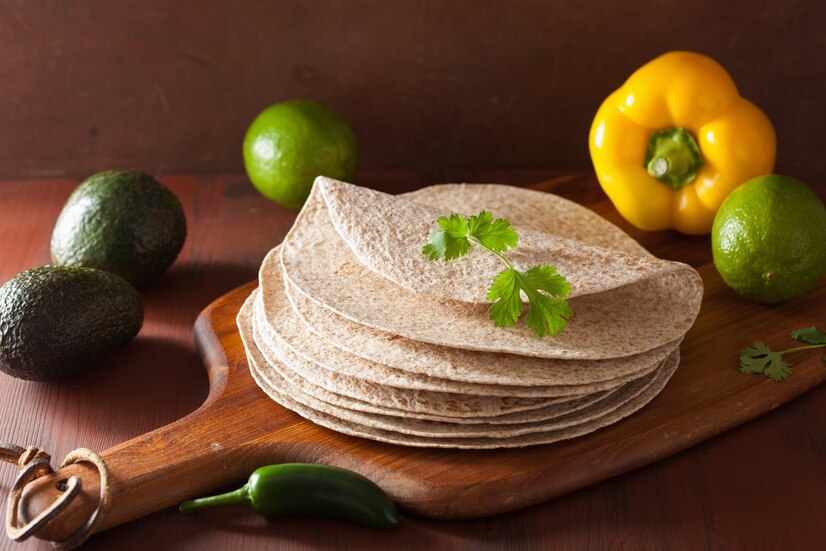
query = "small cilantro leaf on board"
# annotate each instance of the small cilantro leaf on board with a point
(761, 359)
(754, 359)
(777, 369)
(808, 334)
(545, 289)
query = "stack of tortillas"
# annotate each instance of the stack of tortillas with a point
(353, 328)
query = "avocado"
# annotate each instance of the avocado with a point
(58, 320)
(121, 221)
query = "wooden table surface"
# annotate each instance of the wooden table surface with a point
(760, 486)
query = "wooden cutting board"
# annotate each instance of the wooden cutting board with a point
(239, 428)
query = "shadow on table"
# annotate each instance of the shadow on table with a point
(142, 385)
(234, 527)
(188, 287)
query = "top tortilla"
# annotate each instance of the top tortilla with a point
(645, 304)
(528, 208)
(387, 233)
(389, 359)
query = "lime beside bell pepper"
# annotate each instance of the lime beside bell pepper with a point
(672, 142)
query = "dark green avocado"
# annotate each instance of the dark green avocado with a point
(58, 320)
(123, 222)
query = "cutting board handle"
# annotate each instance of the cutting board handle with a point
(149, 473)
(187, 458)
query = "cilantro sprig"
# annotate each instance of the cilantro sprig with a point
(759, 358)
(545, 289)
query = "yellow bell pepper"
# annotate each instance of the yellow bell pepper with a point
(672, 142)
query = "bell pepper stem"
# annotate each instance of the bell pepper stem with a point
(673, 157)
(658, 166)
(236, 497)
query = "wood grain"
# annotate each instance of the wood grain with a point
(172, 86)
(697, 497)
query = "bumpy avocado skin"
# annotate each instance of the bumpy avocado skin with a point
(58, 320)
(123, 222)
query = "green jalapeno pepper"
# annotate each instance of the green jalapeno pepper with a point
(311, 490)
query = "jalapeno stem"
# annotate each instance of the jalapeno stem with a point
(236, 497)
(673, 157)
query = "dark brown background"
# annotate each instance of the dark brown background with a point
(171, 86)
(441, 90)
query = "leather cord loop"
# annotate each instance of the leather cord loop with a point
(33, 463)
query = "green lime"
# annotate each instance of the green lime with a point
(769, 239)
(289, 144)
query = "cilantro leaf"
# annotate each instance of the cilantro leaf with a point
(759, 358)
(452, 242)
(507, 302)
(545, 290)
(755, 358)
(778, 370)
(545, 278)
(494, 234)
(547, 316)
(808, 334)
(457, 234)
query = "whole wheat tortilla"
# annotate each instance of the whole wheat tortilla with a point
(281, 394)
(429, 428)
(527, 208)
(450, 404)
(276, 373)
(386, 233)
(348, 348)
(626, 320)
(281, 363)
(398, 399)
(321, 378)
